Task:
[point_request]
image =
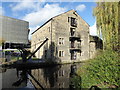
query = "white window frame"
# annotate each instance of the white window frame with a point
(61, 42)
(62, 53)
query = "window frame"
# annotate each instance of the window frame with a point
(73, 22)
(61, 53)
(61, 42)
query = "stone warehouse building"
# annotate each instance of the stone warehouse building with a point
(13, 31)
(69, 39)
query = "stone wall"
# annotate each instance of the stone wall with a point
(63, 30)
(38, 37)
(60, 27)
(95, 45)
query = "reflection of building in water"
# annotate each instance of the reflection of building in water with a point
(54, 77)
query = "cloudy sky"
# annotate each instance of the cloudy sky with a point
(36, 12)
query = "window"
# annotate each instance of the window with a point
(61, 53)
(79, 45)
(49, 29)
(69, 19)
(72, 31)
(73, 55)
(61, 73)
(61, 41)
(73, 22)
(45, 54)
(80, 53)
(72, 44)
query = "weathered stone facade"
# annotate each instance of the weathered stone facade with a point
(68, 36)
(95, 45)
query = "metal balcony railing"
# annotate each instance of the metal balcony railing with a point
(74, 37)
(73, 34)
(75, 46)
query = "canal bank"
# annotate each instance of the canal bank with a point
(33, 64)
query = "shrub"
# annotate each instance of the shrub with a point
(103, 71)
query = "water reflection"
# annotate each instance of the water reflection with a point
(15, 78)
(55, 77)
(2, 70)
(50, 77)
(22, 77)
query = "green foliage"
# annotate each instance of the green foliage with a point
(107, 22)
(76, 82)
(103, 71)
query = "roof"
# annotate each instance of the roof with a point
(13, 18)
(54, 17)
(48, 21)
(42, 25)
(95, 38)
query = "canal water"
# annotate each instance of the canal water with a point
(51, 77)
(13, 79)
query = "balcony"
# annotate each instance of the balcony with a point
(74, 36)
(75, 46)
(74, 24)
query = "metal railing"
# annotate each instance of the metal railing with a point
(75, 46)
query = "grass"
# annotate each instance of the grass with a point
(102, 71)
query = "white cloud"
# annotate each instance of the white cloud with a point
(23, 5)
(2, 12)
(93, 30)
(80, 7)
(39, 17)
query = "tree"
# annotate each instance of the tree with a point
(108, 23)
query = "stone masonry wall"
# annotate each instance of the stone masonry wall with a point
(59, 27)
